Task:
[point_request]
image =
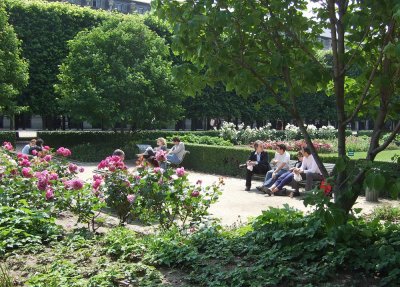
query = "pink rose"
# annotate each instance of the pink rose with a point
(127, 183)
(157, 170)
(53, 176)
(75, 184)
(130, 197)
(46, 147)
(81, 169)
(161, 156)
(34, 152)
(195, 193)
(96, 184)
(25, 162)
(97, 177)
(180, 171)
(72, 167)
(27, 172)
(8, 146)
(137, 177)
(49, 193)
(42, 183)
(47, 158)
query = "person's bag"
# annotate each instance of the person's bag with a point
(297, 177)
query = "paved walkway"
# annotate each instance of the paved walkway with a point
(236, 205)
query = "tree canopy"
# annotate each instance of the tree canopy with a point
(119, 73)
(272, 45)
(13, 68)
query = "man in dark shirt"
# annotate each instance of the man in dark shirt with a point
(258, 163)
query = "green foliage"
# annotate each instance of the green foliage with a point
(387, 212)
(5, 278)
(136, 85)
(74, 138)
(6, 136)
(207, 140)
(155, 195)
(44, 29)
(13, 68)
(23, 228)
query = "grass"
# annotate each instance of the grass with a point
(385, 155)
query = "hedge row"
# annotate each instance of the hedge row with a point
(8, 136)
(74, 138)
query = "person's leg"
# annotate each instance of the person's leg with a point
(286, 179)
(173, 158)
(249, 175)
(310, 177)
(272, 180)
(268, 177)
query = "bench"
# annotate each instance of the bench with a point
(142, 147)
(329, 168)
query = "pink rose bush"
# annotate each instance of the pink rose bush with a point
(44, 184)
(155, 195)
(8, 146)
(63, 152)
(161, 156)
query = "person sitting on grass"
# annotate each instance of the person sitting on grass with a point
(281, 162)
(26, 148)
(309, 169)
(285, 178)
(175, 155)
(258, 163)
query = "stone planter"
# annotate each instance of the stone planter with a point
(371, 195)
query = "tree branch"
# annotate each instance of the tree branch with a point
(389, 139)
(371, 77)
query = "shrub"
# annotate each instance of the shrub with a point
(154, 195)
(74, 138)
(8, 136)
(24, 227)
(207, 140)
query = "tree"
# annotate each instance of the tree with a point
(119, 73)
(365, 36)
(13, 68)
(270, 44)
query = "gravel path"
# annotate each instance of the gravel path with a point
(236, 205)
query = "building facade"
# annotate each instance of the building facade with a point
(123, 6)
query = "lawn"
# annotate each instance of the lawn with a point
(385, 155)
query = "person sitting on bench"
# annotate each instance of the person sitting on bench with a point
(309, 169)
(281, 162)
(286, 178)
(258, 163)
(175, 155)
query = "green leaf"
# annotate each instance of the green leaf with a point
(394, 190)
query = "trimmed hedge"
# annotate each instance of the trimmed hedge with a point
(8, 136)
(74, 138)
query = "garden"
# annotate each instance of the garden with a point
(281, 247)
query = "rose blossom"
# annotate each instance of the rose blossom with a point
(97, 177)
(96, 183)
(34, 152)
(53, 176)
(75, 184)
(8, 146)
(72, 167)
(46, 147)
(26, 172)
(47, 158)
(81, 169)
(25, 162)
(130, 197)
(49, 193)
(180, 171)
(195, 193)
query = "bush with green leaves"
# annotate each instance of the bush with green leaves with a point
(46, 182)
(23, 228)
(207, 140)
(154, 195)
